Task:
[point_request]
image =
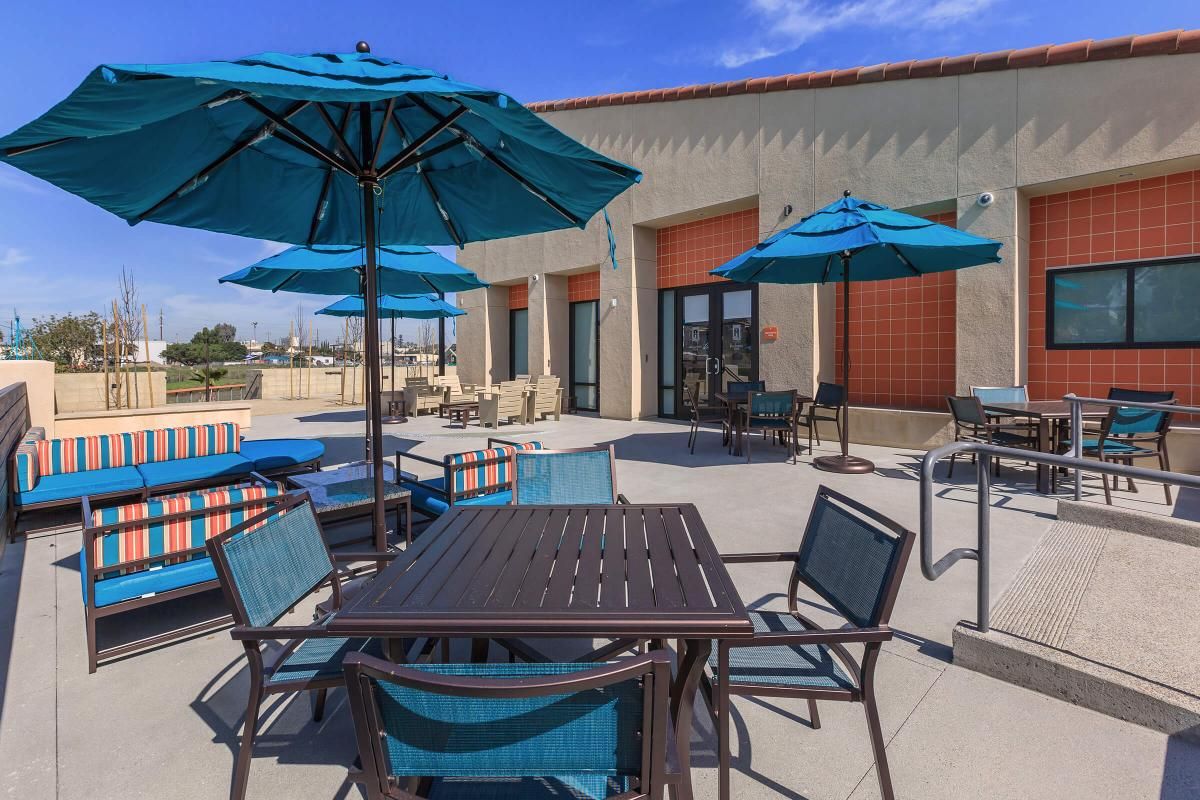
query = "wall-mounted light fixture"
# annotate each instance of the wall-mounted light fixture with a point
(613, 302)
(535, 277)
(787, 210)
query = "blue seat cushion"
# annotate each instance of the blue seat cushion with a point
(428, 498)
(322, 658)
(1110, 446)
(269, 454)
(585, 786)
(182, 470)
(74, 485)
(150, 581)
(807, 666)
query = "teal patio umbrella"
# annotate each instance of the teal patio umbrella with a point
(857, 240)
(345, 149)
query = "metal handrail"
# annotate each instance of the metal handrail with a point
(1076, 404)
(981, 553)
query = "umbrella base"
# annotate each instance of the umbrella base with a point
(846, 465)
(393, 420)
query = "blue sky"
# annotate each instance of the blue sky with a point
(59, 254)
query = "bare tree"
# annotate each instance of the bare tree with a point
(354, 342)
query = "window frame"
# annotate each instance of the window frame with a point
(1129, 343)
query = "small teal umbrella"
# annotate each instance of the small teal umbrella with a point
(329, 148)
(857, 240)
(392, 307)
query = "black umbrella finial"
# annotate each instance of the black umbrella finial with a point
(845, 192)
(362, 47)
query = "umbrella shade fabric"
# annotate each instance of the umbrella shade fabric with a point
(337, 269)
(883, 244)
(272, 146)
(392, 307)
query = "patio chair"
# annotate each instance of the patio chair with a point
(547, 398)
(1130, 433)
(700, 414)
(1005, 394)
(853, 558)
(504, 404)
(473, 478)
(826, 406)
(456, 390)
(511, 730)
(583, 476)
(770, 411)
(738, 387)
(266, 565)
(420, 395)
(972, 424)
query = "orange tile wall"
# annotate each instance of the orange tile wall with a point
(518, 296)
(1140, 219)
(901, 339)
(688, 251)
(585, 286)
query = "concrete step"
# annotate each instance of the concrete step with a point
(1105, 614)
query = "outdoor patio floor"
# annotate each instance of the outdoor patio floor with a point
(164, 723)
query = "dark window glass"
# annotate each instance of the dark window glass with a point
(1090, 307)
(1166, 303)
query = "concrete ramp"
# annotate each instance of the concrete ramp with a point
(1105, 614)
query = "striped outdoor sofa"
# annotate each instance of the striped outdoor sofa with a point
(56, 472)
(475, 478)
(152, 551)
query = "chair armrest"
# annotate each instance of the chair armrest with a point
(367, 555)
(241, 633)
(754, 558)
(415, 457)
(492, 440)
(404, 478)
(820, 636)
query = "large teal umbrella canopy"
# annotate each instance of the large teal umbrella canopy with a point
(857, 240)
(347, 149)
(422, 306)
(338, 269)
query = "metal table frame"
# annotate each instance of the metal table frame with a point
(1045, 413)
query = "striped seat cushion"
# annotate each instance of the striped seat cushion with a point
(178, 535)
(169, 444)
(84, 453)
(481, 469)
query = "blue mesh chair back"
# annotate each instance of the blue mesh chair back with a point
(741, 387)
(967, 410)
(578, 743)
(1133, 421)
(829, 395)
(850, 559)
(1001, 394)
(274, 566)
(565, 477)
(772, 404)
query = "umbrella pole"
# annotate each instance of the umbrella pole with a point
(371, 301)
(441, 339)
(845, 463)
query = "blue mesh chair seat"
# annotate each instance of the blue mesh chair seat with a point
(266, 566)
(853, 559)
(741, 387)
(586, 476)
(798, 665)
(1093, 446)
(512, 730)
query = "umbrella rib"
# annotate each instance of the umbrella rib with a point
(398, 161)
(339, 135)
(319, 212)
(267, 130)
(904, 260)
(437, 200)
(383, 129)
(302, 140)
(828, 267)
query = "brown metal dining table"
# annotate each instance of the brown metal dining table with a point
(732, 401)
(1045, 413)
(625, 572)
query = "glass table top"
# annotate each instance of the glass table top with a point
(348, 485)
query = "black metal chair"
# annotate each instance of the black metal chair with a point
(266, 565)
(829, 398)
(496, 731)
(770, 411)
(853, 558)
(972, 424)
(701, 414)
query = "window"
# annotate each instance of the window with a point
(518, 342)
(1147, 304)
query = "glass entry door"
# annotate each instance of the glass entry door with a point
(715, 338)
(585, 355)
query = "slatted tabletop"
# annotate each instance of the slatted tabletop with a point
(603, 571)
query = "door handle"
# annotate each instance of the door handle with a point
(713, 366)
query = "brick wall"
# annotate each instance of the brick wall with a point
(1140, 219)
(902, 339)
(518, 296)
(584, 286)
(686, 252)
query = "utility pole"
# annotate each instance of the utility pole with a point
(160, 324)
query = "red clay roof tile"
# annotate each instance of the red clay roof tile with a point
(1150, 44)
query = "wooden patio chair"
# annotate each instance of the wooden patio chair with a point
(507, 403)
(511, 730)
(266, 566)
(776, 412)
(853, 558)
(700, 414)
(456, 390)
(547, 398)
(420, 395)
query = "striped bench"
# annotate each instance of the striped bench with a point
(476, 478)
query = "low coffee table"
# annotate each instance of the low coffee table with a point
(460, 410)
(348, 492)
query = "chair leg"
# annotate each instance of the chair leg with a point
(722, 712)
(319, 704)
(813, 716)
(878, 745)
(950, 474)
(241, 770)
(1104, 479)
(1165, 466)
(91, 639)
(747, 437)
